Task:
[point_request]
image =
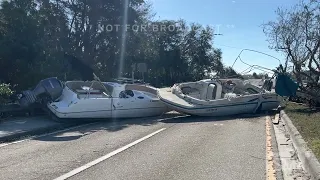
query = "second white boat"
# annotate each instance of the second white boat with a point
(218, 97)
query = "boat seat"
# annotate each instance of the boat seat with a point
(141, 88)
(213, 92)
(81, 91)
(85, 96)
(191, 91)
(230, 95)
(126, 94)
(251, 89)
(195, 94)
(186, 90)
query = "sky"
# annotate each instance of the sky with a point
(239, 22)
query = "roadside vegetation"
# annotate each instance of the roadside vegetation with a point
(307, 121)
(295, 33)
(5, 93)
(34, 35)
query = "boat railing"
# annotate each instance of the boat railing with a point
(88, 92)
(105, 88)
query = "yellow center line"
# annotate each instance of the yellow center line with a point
(271, 173)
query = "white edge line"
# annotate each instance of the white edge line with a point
(46, 134)
(92, 163)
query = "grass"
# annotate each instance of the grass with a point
(307, 122)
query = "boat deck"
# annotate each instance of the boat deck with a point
(166, 94)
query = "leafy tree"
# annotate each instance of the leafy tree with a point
(35, 36)
(19, 43)
(296, 34)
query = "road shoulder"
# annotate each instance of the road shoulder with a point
(292, 164)
(18, 128)
(305, 155)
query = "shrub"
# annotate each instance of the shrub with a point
(5, 93)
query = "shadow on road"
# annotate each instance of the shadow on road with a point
(193, 119)
(113, 125)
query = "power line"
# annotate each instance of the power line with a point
(227, 46)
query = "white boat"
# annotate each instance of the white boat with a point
(96, 99)
(218, 97)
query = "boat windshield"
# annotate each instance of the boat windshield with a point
(109, 88)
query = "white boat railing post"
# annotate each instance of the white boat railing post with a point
(99, 81)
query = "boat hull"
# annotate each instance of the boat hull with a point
(140, 104)
(222, 107)
(111, 113)
(224, 110)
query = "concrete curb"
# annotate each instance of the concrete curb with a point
(309, 161)
(33, 132)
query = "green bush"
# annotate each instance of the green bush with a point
(5, 93)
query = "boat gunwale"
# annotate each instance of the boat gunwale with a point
(217, 106)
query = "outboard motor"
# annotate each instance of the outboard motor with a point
(49, 89)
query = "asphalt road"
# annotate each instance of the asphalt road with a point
(181, 148)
